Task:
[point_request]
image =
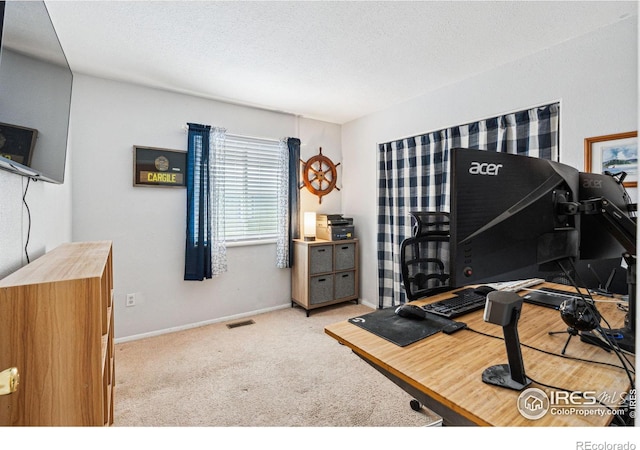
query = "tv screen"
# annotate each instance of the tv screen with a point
(35, 93)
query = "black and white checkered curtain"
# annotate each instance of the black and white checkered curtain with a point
(413, 175)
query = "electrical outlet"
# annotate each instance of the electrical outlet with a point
(131, 300)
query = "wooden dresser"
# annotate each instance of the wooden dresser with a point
(56, 328)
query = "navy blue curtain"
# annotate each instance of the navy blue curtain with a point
(197, 263)
(294, 193)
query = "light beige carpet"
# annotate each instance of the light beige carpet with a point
(280, 371)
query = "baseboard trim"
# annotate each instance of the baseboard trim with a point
(136, 337)
(369, 304)
(188, 326)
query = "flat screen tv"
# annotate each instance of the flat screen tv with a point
(35, 93)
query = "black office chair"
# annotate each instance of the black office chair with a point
(424, 260)
(424, 256)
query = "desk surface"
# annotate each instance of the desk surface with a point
(448, 368)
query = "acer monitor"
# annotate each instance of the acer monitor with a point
(506, 220)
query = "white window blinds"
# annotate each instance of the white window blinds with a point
(251, 183)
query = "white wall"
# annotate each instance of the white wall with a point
(147, 225)
(11, 237)
(327, 136)
(50, 209)
(594, 77)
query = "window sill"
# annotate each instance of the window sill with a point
(250, 243)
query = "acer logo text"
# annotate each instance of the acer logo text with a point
(596, 184)
(484, 168)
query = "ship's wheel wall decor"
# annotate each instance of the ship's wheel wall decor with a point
(319, 175)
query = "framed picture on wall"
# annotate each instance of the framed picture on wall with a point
(159, 167)
(613, 153)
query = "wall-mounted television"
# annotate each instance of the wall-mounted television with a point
(35, 93)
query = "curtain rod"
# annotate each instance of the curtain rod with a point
(186, 129)
(253, 137)
(551, 102)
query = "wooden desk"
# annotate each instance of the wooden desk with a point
(444, 371)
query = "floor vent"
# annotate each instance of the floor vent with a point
(240, 324)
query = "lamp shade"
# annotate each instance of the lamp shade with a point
(309, 226)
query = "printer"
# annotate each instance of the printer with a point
(334, 227)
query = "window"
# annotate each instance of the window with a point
(251, 182)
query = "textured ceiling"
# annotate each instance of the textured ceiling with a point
(333, 61)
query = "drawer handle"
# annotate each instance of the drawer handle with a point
(346, 275)
(322, 279)
(321, 249)
(9, 380)
(346, 247)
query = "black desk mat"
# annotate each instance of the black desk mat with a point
(401, 331)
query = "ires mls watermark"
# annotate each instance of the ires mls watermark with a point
(534, 403)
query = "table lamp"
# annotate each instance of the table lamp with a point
(309, 226)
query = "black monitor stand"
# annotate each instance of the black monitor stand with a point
(618, 224)
(625, 337)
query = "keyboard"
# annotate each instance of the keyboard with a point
(465, 301)
(515, 286)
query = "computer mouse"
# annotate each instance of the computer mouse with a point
(483, 290)
(411, 311)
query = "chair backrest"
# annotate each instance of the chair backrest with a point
(424, 257)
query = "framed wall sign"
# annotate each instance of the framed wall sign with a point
(613, 153)
(17, 143)
(159, 167)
